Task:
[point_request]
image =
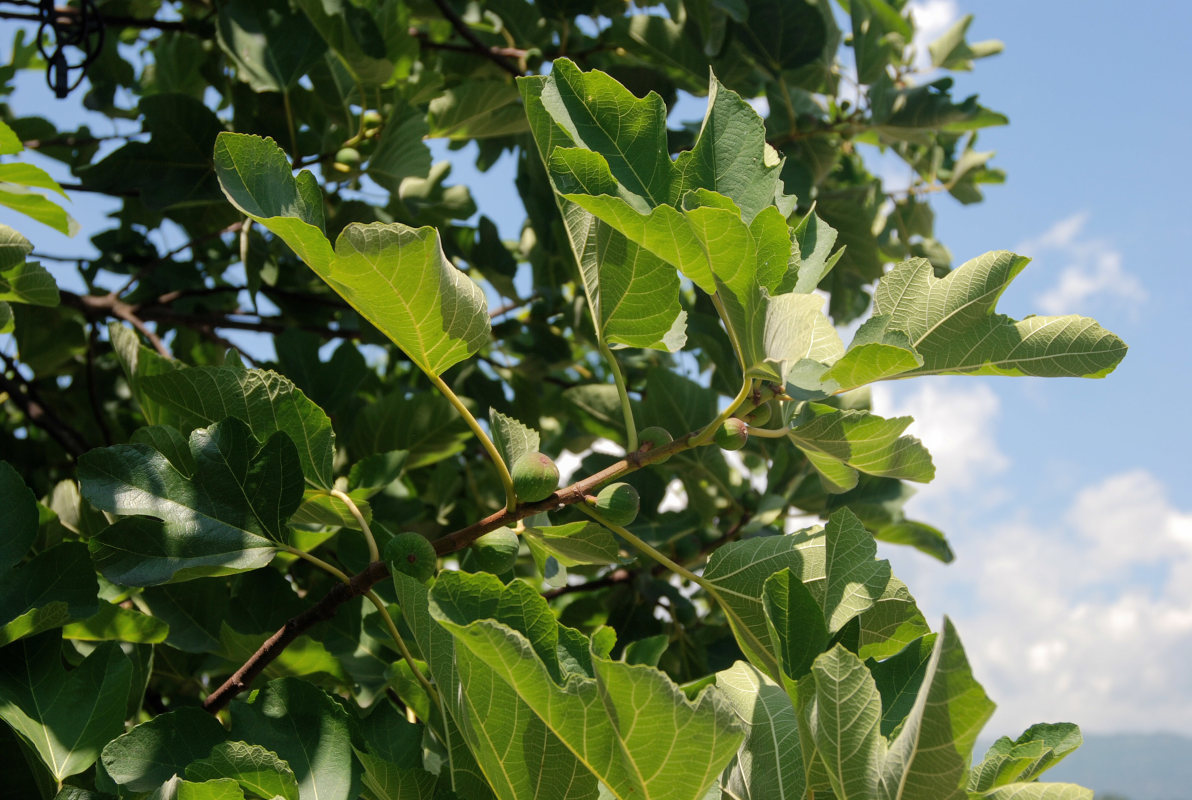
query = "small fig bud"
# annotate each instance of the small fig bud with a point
(411, 554)
(655, 437)
(371, 118)
(618, 503)
(535, 477)
(732, 435)
(496, 552)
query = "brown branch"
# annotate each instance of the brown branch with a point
(456, 540)
(75, 141)
(426, 42)
(22, 393)
(109, 305)
(479, 46)
(95, 305)
(70, 14)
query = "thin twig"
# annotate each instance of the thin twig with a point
(113, 21)
(427, 43)
(480, 47)
(25, 396)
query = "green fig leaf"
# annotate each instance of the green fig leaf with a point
(223, 519)
(395, 276)
(65, 717)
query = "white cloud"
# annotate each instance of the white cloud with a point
(761, 105)
(1083, 613)
(1092, 268)
(954, 418)
(1085, 617)
(932, 19)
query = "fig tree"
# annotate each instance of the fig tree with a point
(656, 437)
(732, 435)
(618, 503)
(411, 554)
(535, 477)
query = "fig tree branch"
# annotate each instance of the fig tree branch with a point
(374, 573)
(479, 46)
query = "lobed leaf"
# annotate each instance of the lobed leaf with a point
(950, 326)
(858, 441)
(254, 768)
(769, 765)
(65, 717)
(152, 752)
(52, 588)
(222, 519)
(395, 276)
(308, 730)
(628, 724)
(266, 401)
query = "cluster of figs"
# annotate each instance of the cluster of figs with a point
(535, 478)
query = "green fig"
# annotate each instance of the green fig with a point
(732, 435)
(760, 415)
(618, 503)
(412, 554)
(655, 437)
(535, 477)
(371, 118)
(347, 160)
(495, 552)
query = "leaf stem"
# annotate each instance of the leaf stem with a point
(645, 548)
(762, 651)
(289, 111)
(489, 447)
(318, 562)
(769, 433)
(373, 553)
(623, 393)
(376, 600)
(705, 435)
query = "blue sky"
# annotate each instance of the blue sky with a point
(1072, 522)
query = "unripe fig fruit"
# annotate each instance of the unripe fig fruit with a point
(760, 415)
(349, 156)
(618, 503)
(371, 118)
(496, 552)
(347, 160)
(656, 437)
(732, 435)
(535, 477)
(412, 554)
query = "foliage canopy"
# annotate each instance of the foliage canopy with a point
(193, 597)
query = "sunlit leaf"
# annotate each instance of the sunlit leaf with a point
(588, 701)
(223, 519)
(66, 717)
